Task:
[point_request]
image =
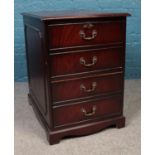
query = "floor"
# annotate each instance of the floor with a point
(30, 138)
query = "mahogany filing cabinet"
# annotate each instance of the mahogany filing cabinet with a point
(76, 65)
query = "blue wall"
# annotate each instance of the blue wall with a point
(133, 51)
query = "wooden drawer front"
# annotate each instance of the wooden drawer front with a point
(88, 110)
(85, 34)
(86, 87)
(86, 61)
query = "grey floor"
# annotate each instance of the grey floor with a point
(30, 138)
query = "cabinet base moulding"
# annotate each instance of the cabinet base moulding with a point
(55, 137)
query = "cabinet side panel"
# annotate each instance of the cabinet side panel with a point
(36, 67)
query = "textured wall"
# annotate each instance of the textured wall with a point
(133, 50)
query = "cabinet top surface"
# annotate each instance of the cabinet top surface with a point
(72, 14)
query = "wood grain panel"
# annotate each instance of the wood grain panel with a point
(72, 113)
(68, 35)
(72, 89)
(70, 63)
(36, 70)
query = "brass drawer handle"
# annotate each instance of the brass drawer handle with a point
(83, 35)
(83, 62)
(89, 114)
(82, 87)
